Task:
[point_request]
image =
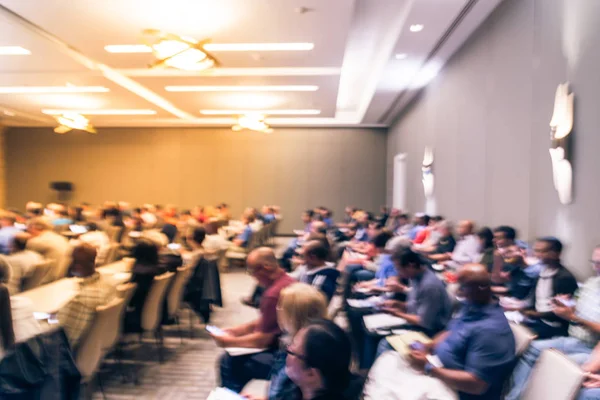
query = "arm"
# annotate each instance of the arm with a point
(242, 330)
(258, 340)
(6, 326)
(593, 364)
(440, 257)
(461, 381)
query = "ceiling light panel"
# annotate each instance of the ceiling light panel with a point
(52, 89)
(271, 88)
(14, 51)
(142, 48)
(101, 112)
(263, 112)
(416, 27)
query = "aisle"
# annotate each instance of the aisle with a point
(189, 368)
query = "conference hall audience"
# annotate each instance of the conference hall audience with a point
(51, 246)
(317, 270)
(467, 249)
(94, 291)
(583, 320)
(470, 360)
(261, 333)
(486, 247)
(22, 262)
(97, 238)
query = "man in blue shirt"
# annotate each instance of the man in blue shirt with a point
(7, 232)
(243, 238)
(477, 352)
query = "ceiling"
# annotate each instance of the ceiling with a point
(366, 62)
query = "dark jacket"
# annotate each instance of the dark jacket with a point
(204, 288)
(40, 368)
(143, 276)
(563, 282)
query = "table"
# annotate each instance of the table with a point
(52, 297)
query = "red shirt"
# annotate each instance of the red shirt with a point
(268, 305)
(422, 236)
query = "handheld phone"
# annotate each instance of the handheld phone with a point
(40, 316)
(214, 330)
(174, 246)
(417, 346)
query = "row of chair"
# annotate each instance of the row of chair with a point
(263, 237)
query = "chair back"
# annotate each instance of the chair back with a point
(523, 338)
(113, 233)
(90, 351)
(125, 291)
(152, 310)
(113, 253)
(553, 377)
(176, 292)
(40, 272)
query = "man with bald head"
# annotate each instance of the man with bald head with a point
(473, 357)
(261, 333)
(77, 316)
(467, 248)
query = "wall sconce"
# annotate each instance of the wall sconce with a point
(561, 125)
(427, 170)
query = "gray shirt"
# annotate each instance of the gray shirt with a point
(429, 300)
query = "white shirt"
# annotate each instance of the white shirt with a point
(466, 250)
(100, 241)
(22, 265)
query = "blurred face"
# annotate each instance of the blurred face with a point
(596, 260)
(259, 272)
(543, 252)
(406, 271)
(443, 231)
(305, 218)
(500, 240)
(372, 231)
(295, 365)
(463, 228)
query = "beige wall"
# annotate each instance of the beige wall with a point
(2, 168)
(296, 168)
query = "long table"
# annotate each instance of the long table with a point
(52, 297)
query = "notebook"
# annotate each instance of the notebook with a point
(400, 343)
(370, 302)
(382, 321)
(242, 351)
(224, 394)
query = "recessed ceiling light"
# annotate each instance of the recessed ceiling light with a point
(401, 56)
(52, 89)
(273, 88)
(142, 48)
(416, 27)
(263, 112)
(13, 51)
(102, 112)
(8, 113)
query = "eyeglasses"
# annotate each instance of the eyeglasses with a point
(298, 356)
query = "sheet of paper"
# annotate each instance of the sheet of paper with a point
(401, 342)
(514, 316)
(370, 302)
(224, 394)
(380, 321)
(242, 351)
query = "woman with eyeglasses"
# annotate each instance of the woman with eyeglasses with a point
(298, 304)
(318, 361)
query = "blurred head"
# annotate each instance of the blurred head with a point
(486, 238)
(408, 263)
(38, 225)
(146, 252)
(548, 250)
(379, 242)
(83, 260)
(433, 221)
(316, 253)
(298, 304)
(444, 228)
(263, 266)
(197, 236)
(384, 210)
(504, 236)
(464, 228)
(374, 228)
(475, 284)
(403, 219)
(307, 216)
(319, 358)
(361, 217)
(596, 259)
(318, 227)
(7, 218)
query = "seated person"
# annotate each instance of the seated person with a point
(428, 236)
(467, 249)
(318, 362)
(261, 333)
(519, 277)
(505, 241)
(317, 271)
(486, 247)
(420, 222)
(476, 353)
(584, 331)
(51, 246)
(194, 241)
(242, 239)
(445, 241)
(554, 280)
(8, 230)
(94, 291)
(145, 268)
(298, 305)
(267, 215)
(428, 307)
(23, 262)
(372, 275)
(99, 239)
